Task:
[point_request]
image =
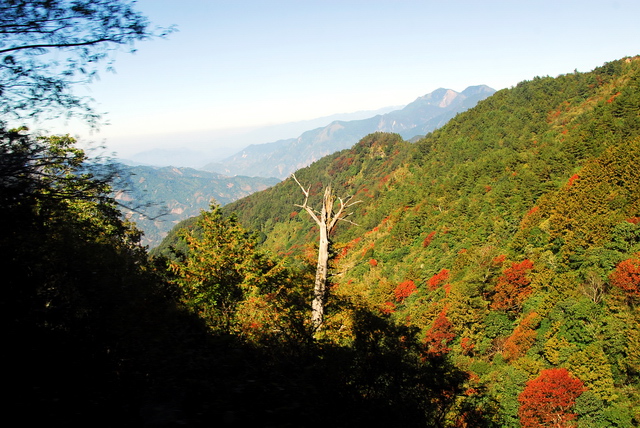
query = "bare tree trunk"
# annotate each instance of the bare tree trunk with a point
(326, 222)
(322, 268)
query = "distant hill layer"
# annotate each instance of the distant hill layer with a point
(281, 158)
(159, 198)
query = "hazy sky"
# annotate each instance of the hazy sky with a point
(244, 63)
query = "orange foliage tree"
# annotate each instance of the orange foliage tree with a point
(439, 336)
(404, 290)
(522, 338)
(547, 400)
(513, 286)
(436, 280)
(467, 346)
(627, 277)
(428, 239)
(387, 308)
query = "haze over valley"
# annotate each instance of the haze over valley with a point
(194, 149)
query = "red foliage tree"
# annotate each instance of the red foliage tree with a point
(573, 179)
(388, 308)
(428, 239)
(532, 211)
(404, 290)
(467, 346)
(522, 338)
(634, 220)
(610, 100)
(513, 286)
(439, 336)
(498, 260)
(436, 280)
(627, 276)
(547, 400)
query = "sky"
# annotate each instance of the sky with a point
(236, 65)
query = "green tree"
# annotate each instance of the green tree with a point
(222, 268)
(593, 368)
(78, 293)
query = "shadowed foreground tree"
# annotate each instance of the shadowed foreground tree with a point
(266, 356)
(326, 219)
(222, 273)
(79, 296)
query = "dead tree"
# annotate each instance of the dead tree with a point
(326, 219)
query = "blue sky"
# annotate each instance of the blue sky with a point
(243, 63)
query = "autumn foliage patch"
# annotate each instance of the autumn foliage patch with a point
(388, 308)
(428, 239)
(532, 211)
(513, 286)
(404, 290)
(573, 179)
(547, 400)
(439, 336)
(634, 220)
(627, 277)
(467, 346)
(523, 337)
(438, 279)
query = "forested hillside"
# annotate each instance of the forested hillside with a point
(487, 275)
(156, 199)
(506, 243)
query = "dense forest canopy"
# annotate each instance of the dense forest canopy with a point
(507, 241)
(490, 276)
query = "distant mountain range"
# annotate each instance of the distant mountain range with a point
(194, 149)
(281, 158)
(159, 198)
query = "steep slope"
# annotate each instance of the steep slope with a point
(281, 158)
(509, 237)
(439, 107)
(159, 198)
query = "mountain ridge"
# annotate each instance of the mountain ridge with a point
(281, 158)
(214, 145)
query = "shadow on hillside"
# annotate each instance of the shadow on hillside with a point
(94, 336)
(170, 371)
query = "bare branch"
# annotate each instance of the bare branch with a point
(56, 45)
(326, 221)
(340, 215)
(306, 192)
(304, 206)
(348, 221)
